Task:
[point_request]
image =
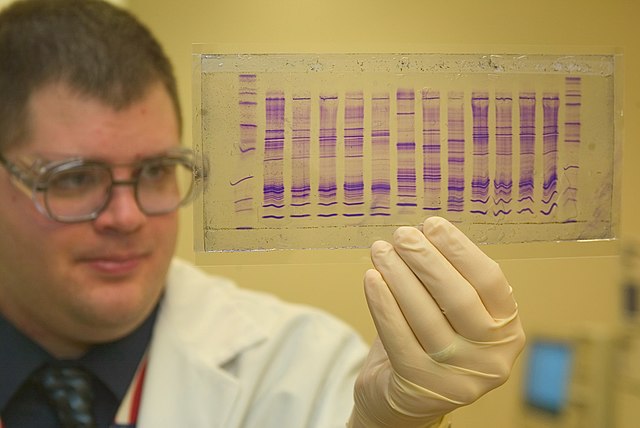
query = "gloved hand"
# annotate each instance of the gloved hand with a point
(448, 328)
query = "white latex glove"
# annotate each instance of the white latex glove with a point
(448, 328)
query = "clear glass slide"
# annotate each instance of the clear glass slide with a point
(337, 150)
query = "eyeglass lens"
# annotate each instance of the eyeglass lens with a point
(82, 191)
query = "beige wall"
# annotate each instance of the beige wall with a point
(559, 286)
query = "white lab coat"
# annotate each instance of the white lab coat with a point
(224, 357)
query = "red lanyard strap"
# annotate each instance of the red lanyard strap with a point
(127, 416)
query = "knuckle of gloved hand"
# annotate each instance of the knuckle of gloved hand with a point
(363, 379)
(519, 341)
(473, 388)
(501, 370)
(503, 359)
(469, 391)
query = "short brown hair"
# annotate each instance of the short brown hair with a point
(97, 49)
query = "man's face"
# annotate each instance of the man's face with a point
(68, 286)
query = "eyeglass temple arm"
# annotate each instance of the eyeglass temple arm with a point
(23, 177)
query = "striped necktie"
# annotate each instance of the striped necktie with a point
(69, 392)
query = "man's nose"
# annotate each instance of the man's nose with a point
(122, 212)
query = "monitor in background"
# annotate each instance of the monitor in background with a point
(548, 375)
(568, 378)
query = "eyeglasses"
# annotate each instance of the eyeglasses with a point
(78, 189)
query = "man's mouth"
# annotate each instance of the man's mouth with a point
(115, 264)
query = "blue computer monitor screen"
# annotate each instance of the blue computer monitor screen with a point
(549, 374)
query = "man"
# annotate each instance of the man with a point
(93, 306)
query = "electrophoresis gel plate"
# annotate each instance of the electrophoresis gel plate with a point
(337, 150)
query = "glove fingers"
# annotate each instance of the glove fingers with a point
(475, 266)
(418, 307)
(457, 298)
(393, 330)
(408, 359)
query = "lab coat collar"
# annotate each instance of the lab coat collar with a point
(199, 311)
(198, 330)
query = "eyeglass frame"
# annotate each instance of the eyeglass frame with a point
(35, 178)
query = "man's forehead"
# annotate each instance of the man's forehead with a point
(61, 120)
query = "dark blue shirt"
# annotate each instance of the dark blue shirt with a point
(112, 365)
